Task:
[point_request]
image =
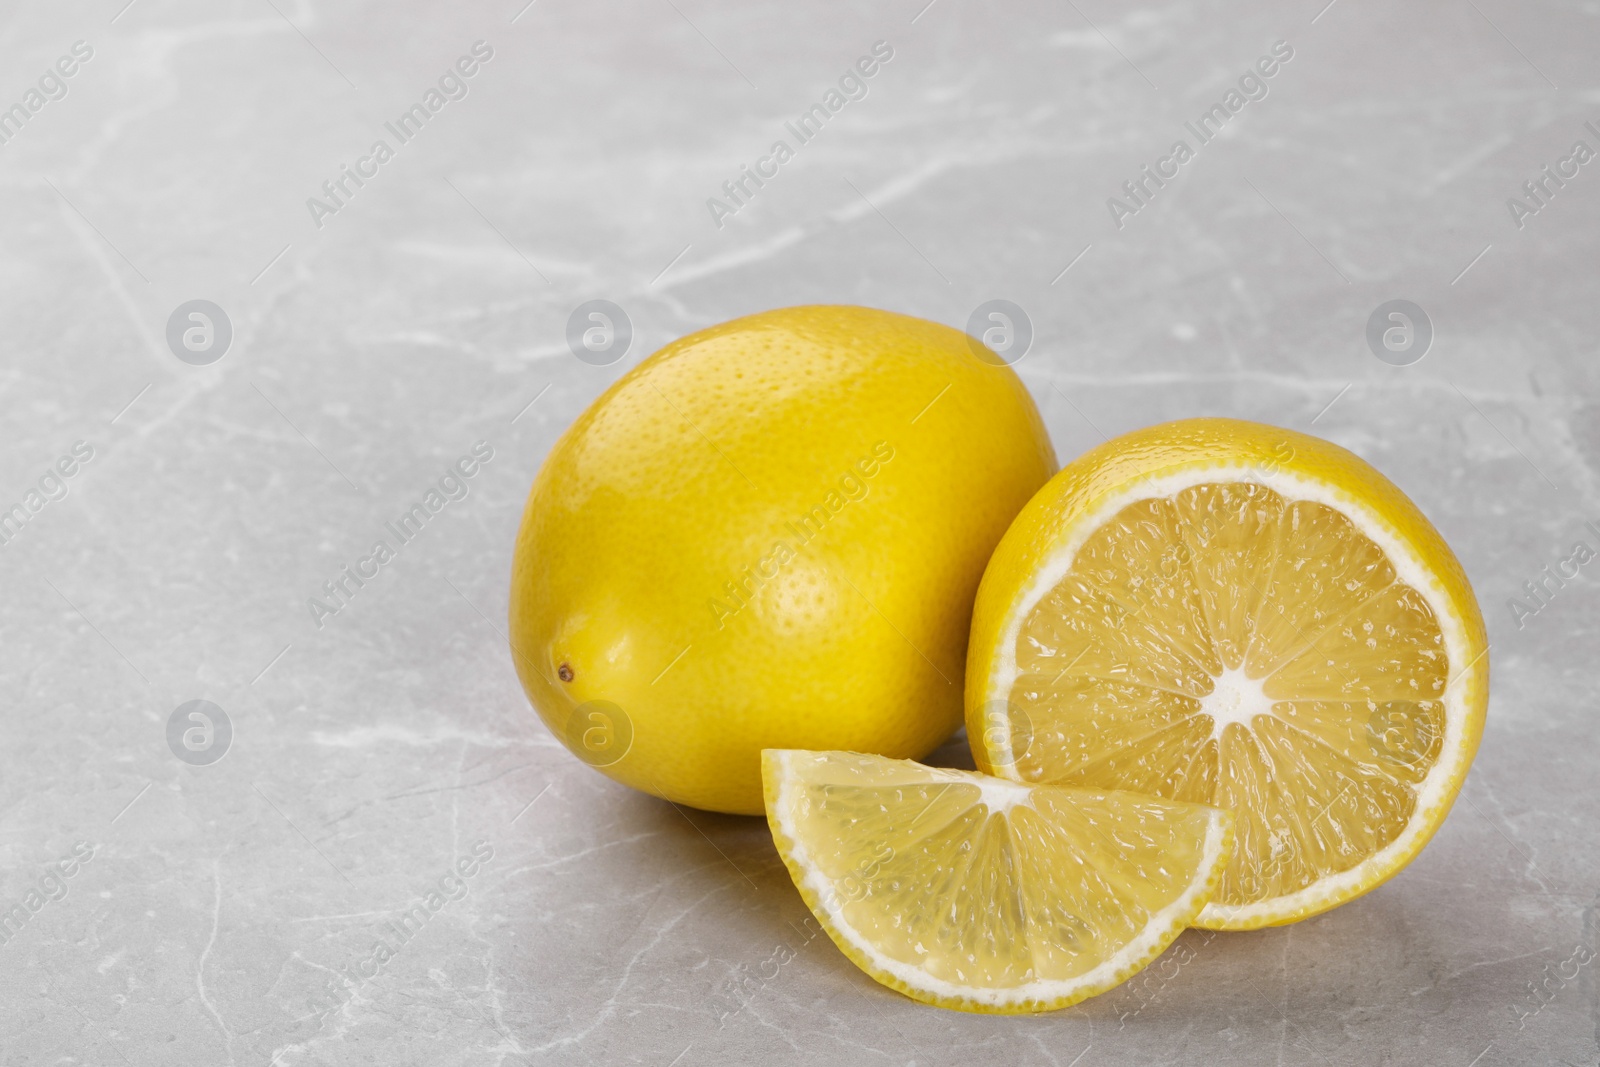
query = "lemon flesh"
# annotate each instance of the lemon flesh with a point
(1245, 617)
(769, 534)
(974, 893)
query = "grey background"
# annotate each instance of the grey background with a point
(429, 312)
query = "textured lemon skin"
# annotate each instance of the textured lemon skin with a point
(788, 849)
(1072, 496)
(687, 474)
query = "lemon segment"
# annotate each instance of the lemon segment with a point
(1226, 613)
(980, 894)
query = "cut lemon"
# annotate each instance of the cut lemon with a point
(1228, 613)
(974, 893)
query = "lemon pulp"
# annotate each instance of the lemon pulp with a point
(1229, 646)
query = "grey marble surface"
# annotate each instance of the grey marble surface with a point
(424, 311)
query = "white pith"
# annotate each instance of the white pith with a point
(1235, 697)
(1157, 933)
(1434, 790)
(1001, 796)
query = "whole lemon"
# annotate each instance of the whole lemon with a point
(769, 534)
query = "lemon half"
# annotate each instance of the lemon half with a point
(970, 892)
(1224, 612)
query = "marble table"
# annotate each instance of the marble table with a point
(190, 475)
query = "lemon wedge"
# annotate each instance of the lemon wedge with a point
(970, 892)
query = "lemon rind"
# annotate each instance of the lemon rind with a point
(1462, 693)
(1163, 928)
